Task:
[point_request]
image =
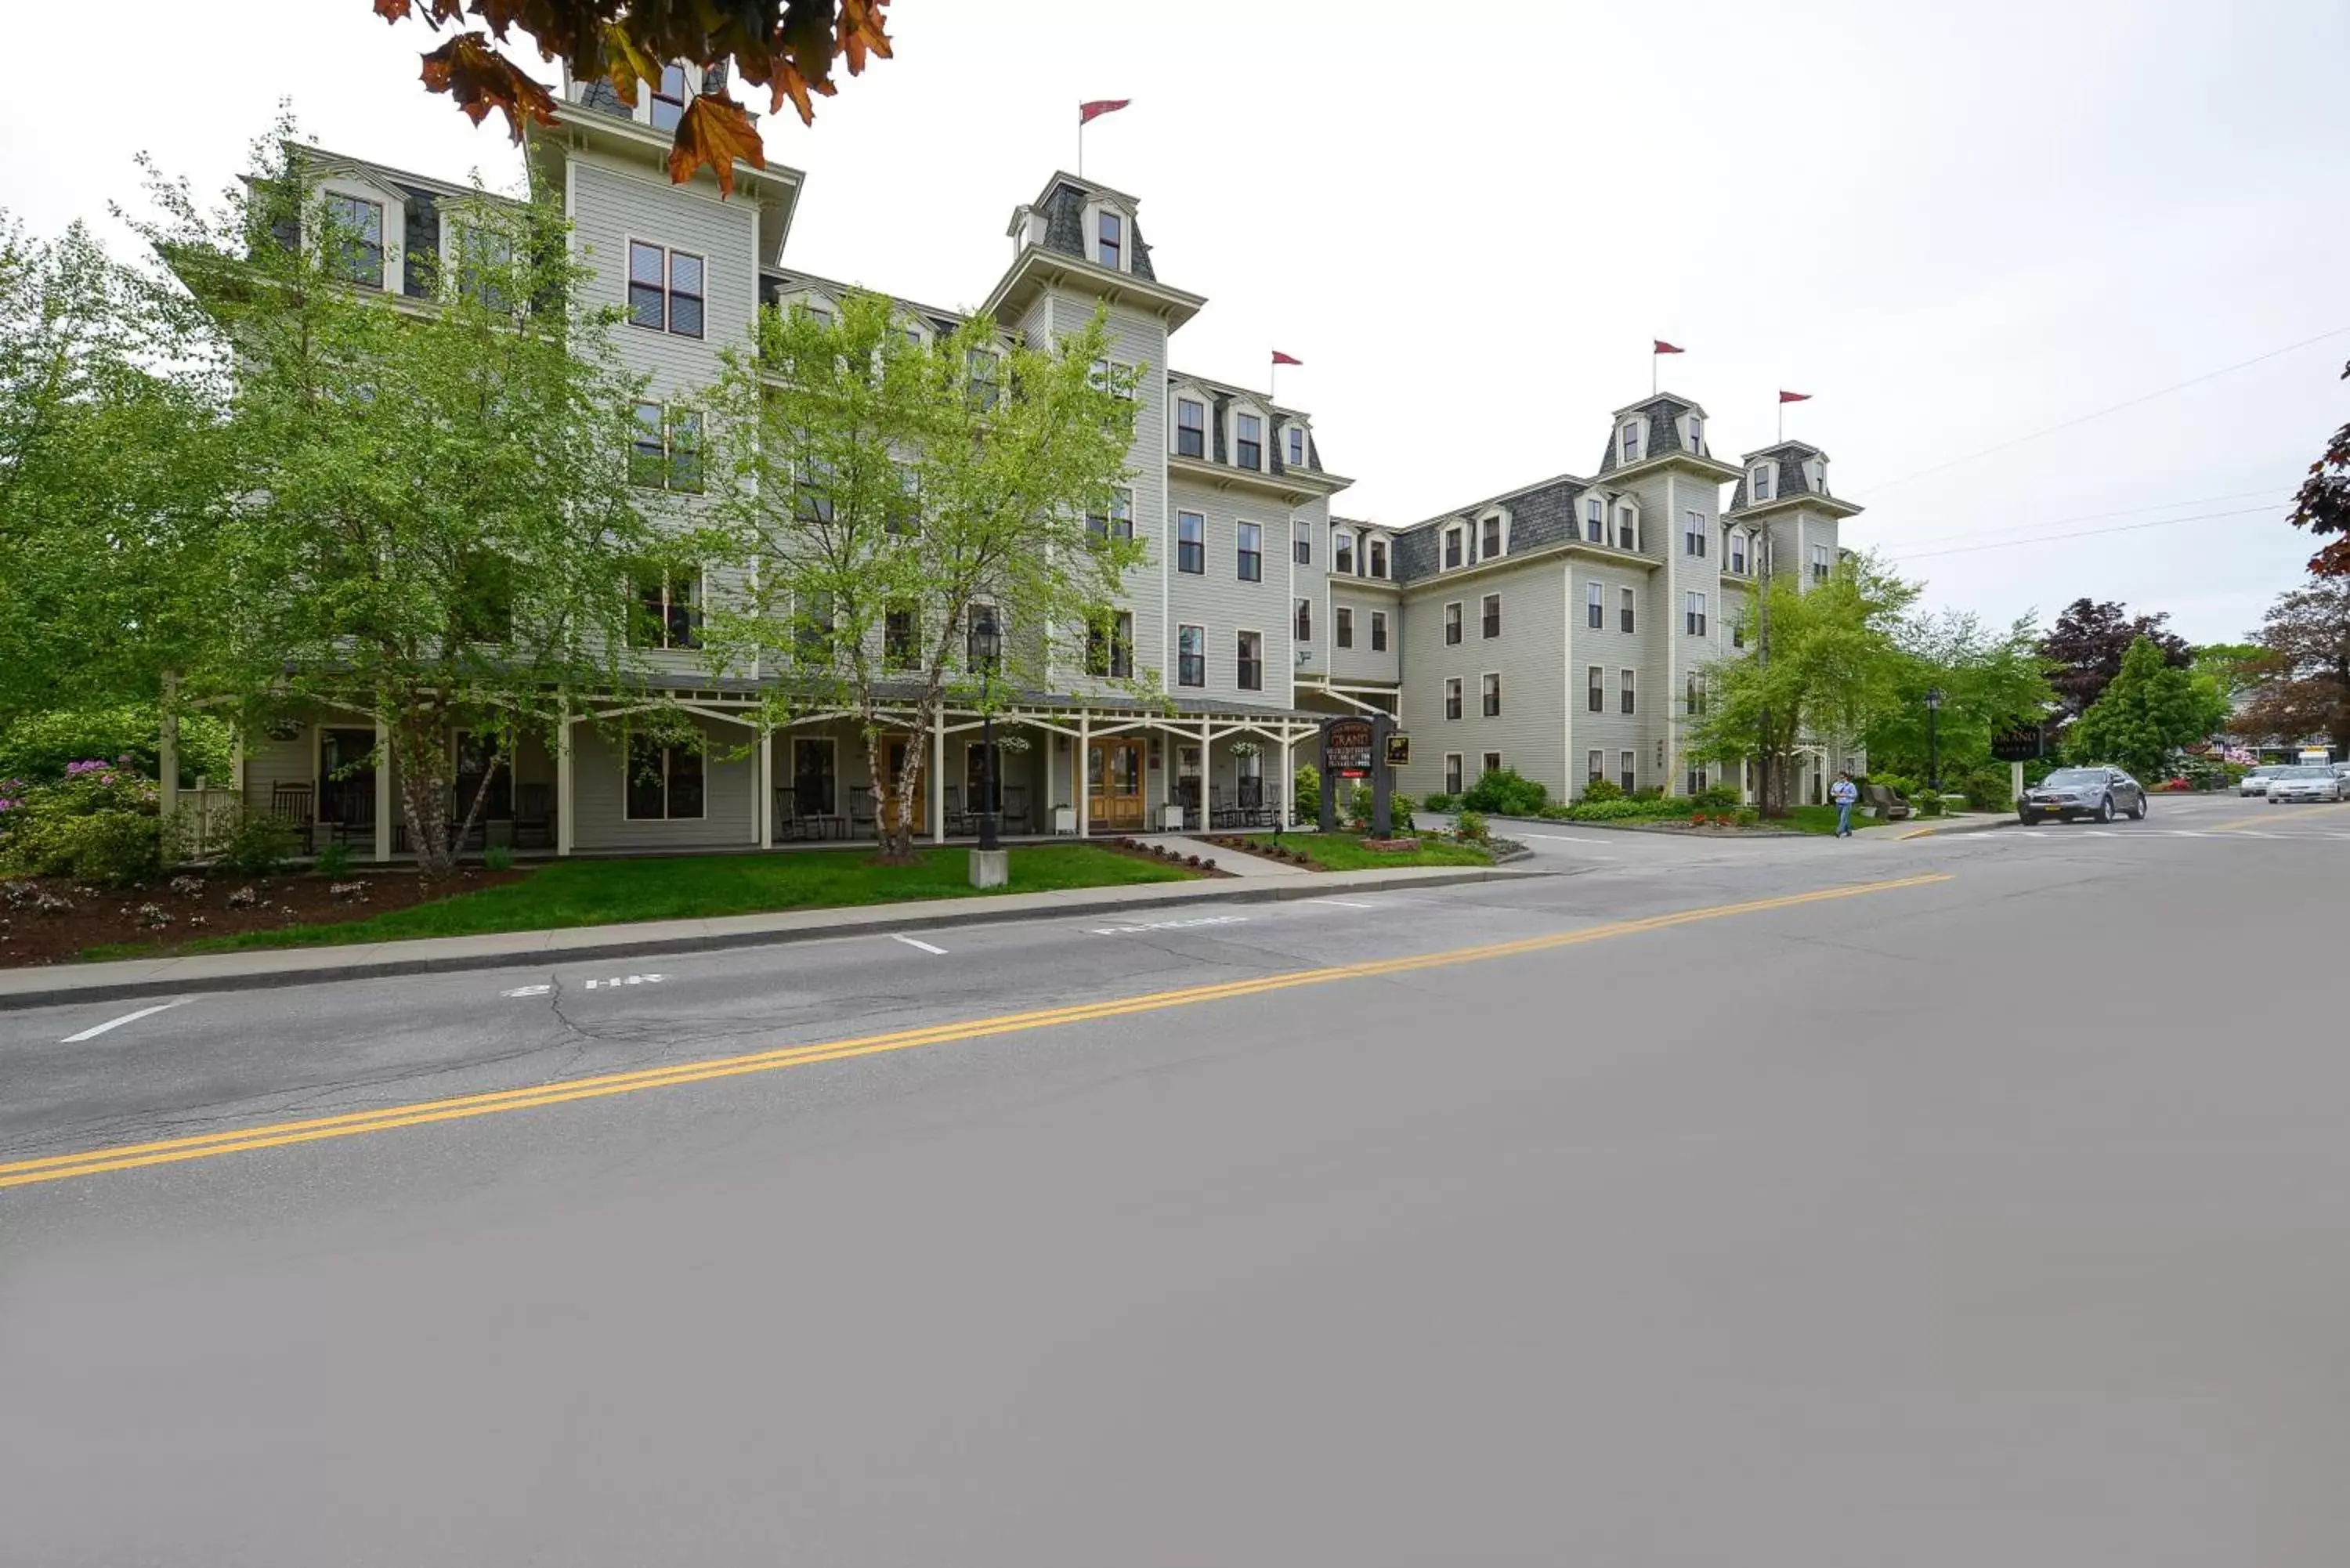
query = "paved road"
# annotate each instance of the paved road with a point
(1988, 1218)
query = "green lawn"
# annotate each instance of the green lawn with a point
(604, 892)
(1345, 852)
(1822, 819)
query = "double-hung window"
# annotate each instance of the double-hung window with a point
(899, 649)
(1191, 543)
(1252, 661)
(1594, 696)
(1342, 552)
(1629, 776)
(1492, 614)
(1191, 428)
(1594, 521)
(668, 611)
(1738, 632)
(1453, 697)
(1248, 441)
(1376, 552)
(1301, 544)
(1595, 766)
(1595, 607)
(665, 289)
(1631, 699)
(669, 96)
(1490, 688)
(1110, 644)
(1251, 552)
(1191, 656)
(1695, 696)
(1492, 763)
(1627, 612)
(1492, 542)
(1738, 551)
(1759, 480)
(1302, 625)
(1631, 440)
(1344, 634)
(1693, 532)
(1118, 523)
(1378, 632)
(1693, 614)
(1823, 558)
(1110, 241)
(1296, 438)
(1697, 435)
(1628, 528)
(665, 450)
(1452, 772)
(1451, 548)
(1452, 624)
(355, 230)
(664, 783)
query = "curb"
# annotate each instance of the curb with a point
(1961, 825)
(871, 919)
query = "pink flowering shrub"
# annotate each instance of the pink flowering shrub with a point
(99, 823)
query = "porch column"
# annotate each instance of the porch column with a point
(1282, 786)
(938, 801)
(1207, 779)
(1082, 793)
(382, 846)
(562, 796)
(762, 788)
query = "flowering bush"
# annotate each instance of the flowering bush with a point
(98, 822)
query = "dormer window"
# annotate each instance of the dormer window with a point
(1110, 241)
(1342, 552)
(1377, 552)
(1191, 428)
(1760, 481)
(1296, 447)
(1628, 528)
(669, 99)
(1595, 520)
(1628, 441)
(1817, 472)
(1490, 545)
(1451, 548)
(355, 228)
(1737, 550)
(1697, 433)
(1248, 441)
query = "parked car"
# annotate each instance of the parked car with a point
(2069, 792)
(2257, 781)
(2309, 781)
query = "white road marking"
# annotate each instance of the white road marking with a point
(2099, 833)
(1343, 903)
(912, 943)
(92, 1034)
(1169, 925)
(527, 991)
(2183, 832)
(631, 980)
(1562, 839)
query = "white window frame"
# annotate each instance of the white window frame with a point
(1758, 484)
(391, 275)
(1697, 433)
(1497, 520)
(1738, 550)
(1595, 606)
(1594, 688)
(1627, 692)
(1180, 569)
(1823, 562)
(1594, 765)
(1241, 552)
(1301, 618)
(1342, 627)
(1384, 559)
(1239, 633)
(1181, 684)
(1489, 626)
(1483, 690)
(1452, 624)
(697, 600)
(1453, 558)
(1494, 762)
(1627, 441)
(1342, 551)
(1380, 631)
(1628, 764)
(1693, 615)
(1627, 611)
(1693, 532)
(628, 743)
(1175, 428)
(1455, 776)
(1264, 434)
(669, 255)
(1293, 440)
(1456, 701)
(1628, 511)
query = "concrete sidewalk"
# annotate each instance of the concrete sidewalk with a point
(1240, 863)
(43, 987)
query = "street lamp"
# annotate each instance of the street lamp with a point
(1933, 738)
(986, 648)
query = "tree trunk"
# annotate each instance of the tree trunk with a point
(418, 739)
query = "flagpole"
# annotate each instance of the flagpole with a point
(1081, 144)
(1783, 419)
(1273, 383)
(1653, 357)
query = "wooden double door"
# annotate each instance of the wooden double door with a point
(1114, 769)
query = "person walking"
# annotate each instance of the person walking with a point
(1843, 791)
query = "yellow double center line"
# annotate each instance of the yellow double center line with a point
(280, 1135)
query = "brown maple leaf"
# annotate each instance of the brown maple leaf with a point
(861, 29)
(713, 133)
(470, 69)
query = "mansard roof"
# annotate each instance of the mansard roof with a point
(1664, 410)
(1792, 459)
(1062, 202)
(1224, 394)
(776, 281)
(1540, 513)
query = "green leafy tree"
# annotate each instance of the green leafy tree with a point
(1990, 679)
(435, 524)
(2234, 668)
(2149, 710)
(2301, 688)
(113, 475)
(885, 496)
(1831, 667)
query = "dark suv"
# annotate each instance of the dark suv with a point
(2069, 792)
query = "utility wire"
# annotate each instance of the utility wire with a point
(2115, 408)
(2080, 533)
(2093, 517)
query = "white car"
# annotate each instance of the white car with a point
(2308, 782)
(2257, 781)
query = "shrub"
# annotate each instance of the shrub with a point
(1649, 792)
(335, 861)
(1437, 801)
(1600, 790)
(498, 858)
(1930, 804)
(1505, 792)
(1471, 828)
(1747, 815)
(259, 847)
(1399, 807)
(115, 848)
(1715, 797)
(1633, 810)
(1309, 787)
(1355, 805)
(39, 746)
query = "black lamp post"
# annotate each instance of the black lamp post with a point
(986, 647)
(1933, 738)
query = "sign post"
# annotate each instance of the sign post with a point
(2016, 747)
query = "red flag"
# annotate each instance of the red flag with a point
(1794, 397)
(1281, 358)
(1100, 106)
(1664, 348)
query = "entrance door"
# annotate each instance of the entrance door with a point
(1114, 782)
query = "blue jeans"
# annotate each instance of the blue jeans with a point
(1843, 819)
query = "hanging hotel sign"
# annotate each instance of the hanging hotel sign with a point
(1398, 750)
(2022, 745)
(1346, 747)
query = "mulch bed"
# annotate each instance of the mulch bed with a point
(1264, 851)
(179, 908)
(1141, 849)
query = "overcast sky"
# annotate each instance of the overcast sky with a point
(1954, 227)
